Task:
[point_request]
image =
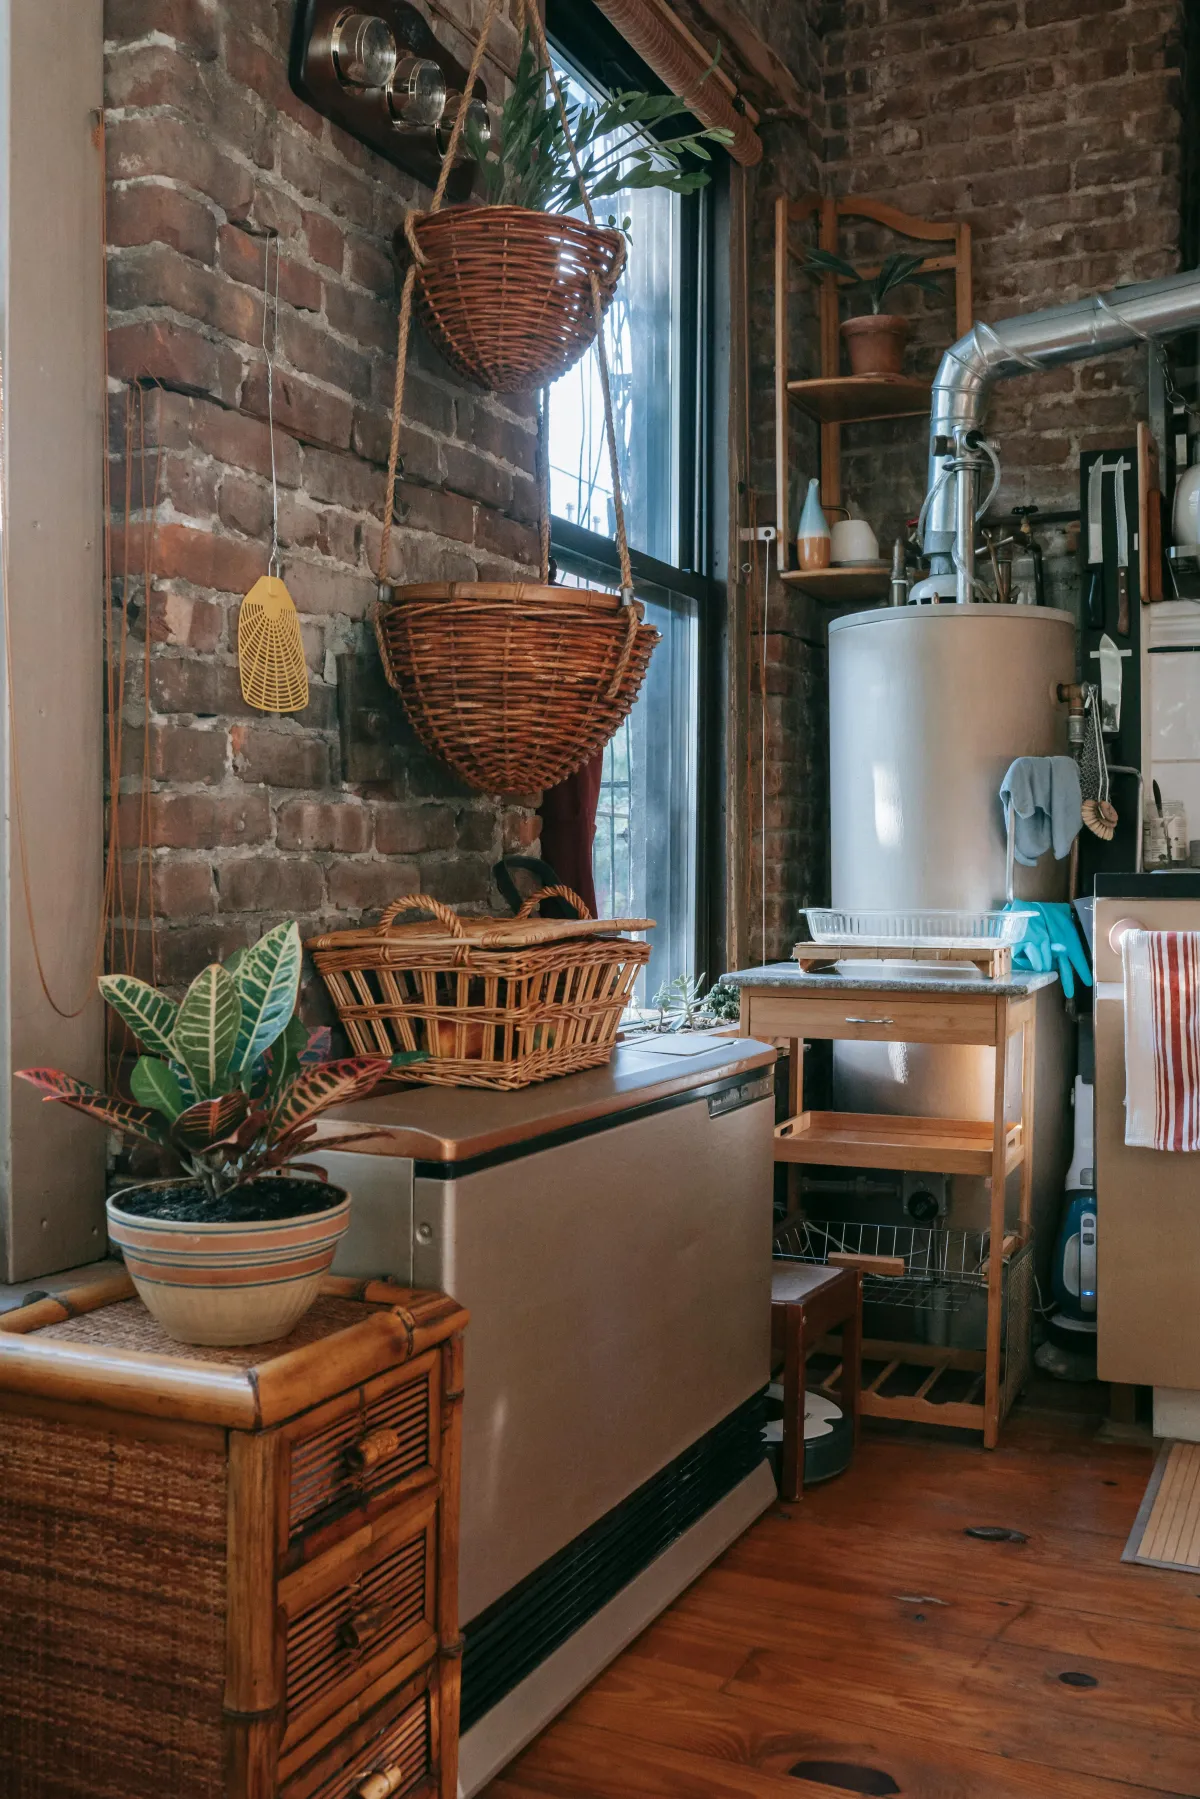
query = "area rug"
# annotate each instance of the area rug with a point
(1166, 1532)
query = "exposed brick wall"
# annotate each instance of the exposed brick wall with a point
(1053, 127)
(318, 816)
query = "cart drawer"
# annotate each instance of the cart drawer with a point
(875, 1016)
(363, 1445)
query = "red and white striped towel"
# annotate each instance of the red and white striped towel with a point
(1162, 1039)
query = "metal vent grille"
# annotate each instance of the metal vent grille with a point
(518, 1632)
(406, 1746)
(322, 1480)
(325, 1643)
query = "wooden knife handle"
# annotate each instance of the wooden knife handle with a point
(1122, 602)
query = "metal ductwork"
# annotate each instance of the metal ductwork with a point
(1035, 340)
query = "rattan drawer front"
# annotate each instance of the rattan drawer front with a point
(358, 1612)
(391, 1752)
(363, 1446)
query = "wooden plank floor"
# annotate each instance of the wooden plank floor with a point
(863, 1638)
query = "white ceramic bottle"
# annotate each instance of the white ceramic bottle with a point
(1185, 516)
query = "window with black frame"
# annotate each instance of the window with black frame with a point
(649, 854)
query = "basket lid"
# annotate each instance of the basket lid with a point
(446, 930)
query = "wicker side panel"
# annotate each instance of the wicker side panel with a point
(112, 1565)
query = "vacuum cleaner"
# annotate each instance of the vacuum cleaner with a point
(1069, 1350)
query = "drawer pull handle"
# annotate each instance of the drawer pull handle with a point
(361, 1628)
(372, 1449)
(381, 1785)
(850, 1020)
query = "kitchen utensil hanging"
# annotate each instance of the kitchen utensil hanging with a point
(511, 297)
(271, 661)
(514, 684)
(1099, 814)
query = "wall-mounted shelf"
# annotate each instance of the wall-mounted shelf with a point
(861, 581)
(834, 399)
(858, 399)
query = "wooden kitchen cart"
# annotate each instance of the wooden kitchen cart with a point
(782, 1003)
(230, 1573)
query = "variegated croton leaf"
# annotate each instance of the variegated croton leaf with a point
(135, 1121)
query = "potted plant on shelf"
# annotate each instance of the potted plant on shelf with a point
(874, 340)
(505, 287)
(231, 1249)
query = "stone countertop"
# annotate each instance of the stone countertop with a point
(890, 977)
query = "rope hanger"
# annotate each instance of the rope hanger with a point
(529, 18)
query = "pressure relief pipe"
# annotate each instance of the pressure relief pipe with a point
(1028, 343)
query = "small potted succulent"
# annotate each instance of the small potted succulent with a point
(232, 1249)
(874, 340)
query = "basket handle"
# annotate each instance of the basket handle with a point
(564, 893)
(422, 902)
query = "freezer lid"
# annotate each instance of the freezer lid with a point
(457, 1124)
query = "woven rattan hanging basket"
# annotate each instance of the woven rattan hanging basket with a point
(514, 686)
(506, 294)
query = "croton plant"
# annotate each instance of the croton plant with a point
(226, 1083)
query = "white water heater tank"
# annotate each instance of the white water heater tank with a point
(928, 705)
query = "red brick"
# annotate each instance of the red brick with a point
(370, 886)
(161, 146)
(245, 506)
(241, 257)
(310, 413)
(326, 588)
(156, 275)
(280, 758)
(270, 884)
(186, 621)
(198, 686)
(370, 267)
(197, 821)
(183, 888)
(169, 353)
(311, 349)
(313, 825)
(183, 952)
(227, 436)
(412, 830)
(146, 215)
(195, 23)
(476, 477)
(326, 242)
(265, 72)
(365, 320)
(205, 559)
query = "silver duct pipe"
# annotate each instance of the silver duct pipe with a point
(1032, 341)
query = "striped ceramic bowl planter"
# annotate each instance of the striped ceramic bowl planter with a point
(228, 1284)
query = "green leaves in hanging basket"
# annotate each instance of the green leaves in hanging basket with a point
(622, 143)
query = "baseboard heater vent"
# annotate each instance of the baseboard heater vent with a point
(514, 1635)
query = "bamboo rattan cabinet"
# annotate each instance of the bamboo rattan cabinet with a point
(230, 1574)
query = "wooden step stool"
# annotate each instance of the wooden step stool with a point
(807, 1302)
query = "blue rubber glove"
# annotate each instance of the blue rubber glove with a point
(1051, 942)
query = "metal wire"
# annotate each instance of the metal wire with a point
(943, 1266)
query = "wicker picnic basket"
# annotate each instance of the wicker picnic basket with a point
(515, 686)
(506, 294)
(495, 1002)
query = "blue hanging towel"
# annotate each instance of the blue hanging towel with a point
(1051, 943)
(1043, 805)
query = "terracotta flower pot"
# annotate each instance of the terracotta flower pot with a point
(241, 1269)
(875, 343)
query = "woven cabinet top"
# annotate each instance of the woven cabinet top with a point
(99, 1345)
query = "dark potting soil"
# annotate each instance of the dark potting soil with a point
(259, 1202)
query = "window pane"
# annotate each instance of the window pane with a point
(644, 860)
(641, 336)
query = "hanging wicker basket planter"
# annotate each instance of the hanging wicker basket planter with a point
(506, 294)
(515, 686)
